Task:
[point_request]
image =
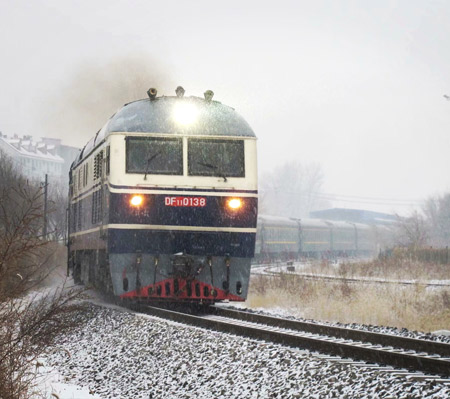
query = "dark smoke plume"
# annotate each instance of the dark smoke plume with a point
(95, 92)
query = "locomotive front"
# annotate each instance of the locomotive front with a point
(173, 212)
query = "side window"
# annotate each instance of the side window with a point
(107, 160)
(74, 217)
(79, 212)
(75, 186)
(87, 174)
(97, 206)
(94, 209)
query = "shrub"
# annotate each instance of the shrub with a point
(29, 319)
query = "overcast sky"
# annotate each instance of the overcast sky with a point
(356, 86)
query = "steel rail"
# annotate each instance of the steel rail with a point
(351, 280)
(405, 343)
(412, 360)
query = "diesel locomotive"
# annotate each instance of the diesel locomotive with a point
(163, 202)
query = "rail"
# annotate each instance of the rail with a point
(409, 353)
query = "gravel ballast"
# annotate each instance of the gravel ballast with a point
(121, 354)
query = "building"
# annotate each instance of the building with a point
(36, 158)
(67, 153)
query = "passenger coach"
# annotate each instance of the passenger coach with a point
(163, 202)
(281, 238)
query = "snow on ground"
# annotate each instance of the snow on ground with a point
(53, 386)
(298, 267)
(121, 354)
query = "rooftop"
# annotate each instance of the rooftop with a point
(354, 215)
(28, 147)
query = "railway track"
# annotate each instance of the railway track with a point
(382, 349)
(352, 280)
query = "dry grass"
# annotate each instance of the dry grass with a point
(395, 269)
(414, 307)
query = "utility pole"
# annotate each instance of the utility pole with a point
(45, 206)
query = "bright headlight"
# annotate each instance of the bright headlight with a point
(185, 113)
(234, 203)
(136, 200)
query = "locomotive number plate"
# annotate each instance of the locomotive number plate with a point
(185, 201)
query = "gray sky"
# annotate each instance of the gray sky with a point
(356, 86)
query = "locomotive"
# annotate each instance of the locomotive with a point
(163, 202)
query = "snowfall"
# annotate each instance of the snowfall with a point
(117, 353)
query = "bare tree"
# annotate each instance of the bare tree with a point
(57, 205)
(437, 212)
(292, 190)
(29, 320)
(411, 231)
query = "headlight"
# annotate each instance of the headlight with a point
(136, 200)
(185, 113)
(234, 203)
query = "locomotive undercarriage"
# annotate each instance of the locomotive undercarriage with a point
(179, 277)
(153, 277)
(91, 267)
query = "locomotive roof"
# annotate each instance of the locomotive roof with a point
(157, 116)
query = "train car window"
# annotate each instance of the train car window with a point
(154, 155)
(223, 158)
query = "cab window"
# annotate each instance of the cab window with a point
(154, 155)
(222, 158)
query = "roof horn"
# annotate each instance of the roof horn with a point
(180, 91)
(152, 92)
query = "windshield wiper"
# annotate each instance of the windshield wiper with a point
(208, 165)
(148, 163)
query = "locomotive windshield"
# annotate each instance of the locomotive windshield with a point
(154, 155)
(223, 158)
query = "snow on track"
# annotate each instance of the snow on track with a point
(120, 354)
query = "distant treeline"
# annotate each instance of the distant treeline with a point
(433, 255)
